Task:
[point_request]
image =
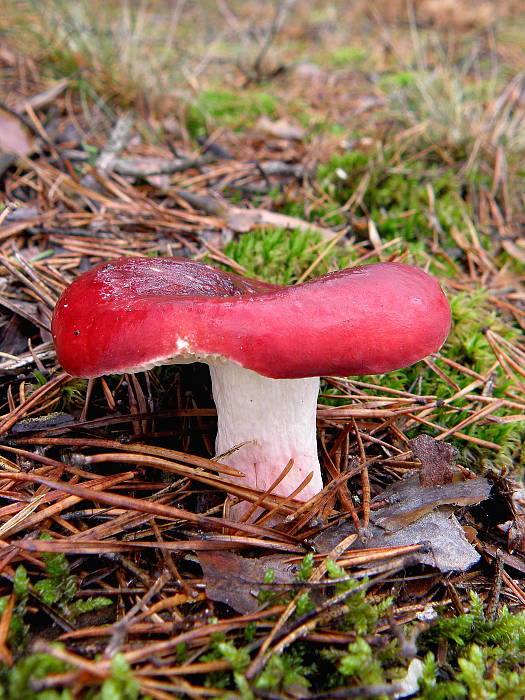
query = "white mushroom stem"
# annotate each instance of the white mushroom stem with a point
(276, 418)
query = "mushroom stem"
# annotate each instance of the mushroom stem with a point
(276, 420)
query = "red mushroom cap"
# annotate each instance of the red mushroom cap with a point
(135, 313)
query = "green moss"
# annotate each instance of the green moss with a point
(15, 682)
(239, 658)
(60, 587)
(121, 685)
(230, 109)
(284, 673)
(306, 568)
(397, 196)
(399, 79)
(361, 664)
(282, 256)
(73, 394)
(344, 56)
(266, 594)
(363, 613)
(485, 657)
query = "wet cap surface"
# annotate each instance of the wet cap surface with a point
(133, 313)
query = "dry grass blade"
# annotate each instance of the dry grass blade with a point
(26, 518)
(5, 654)
(85, 546)
(163, 511)
(148, 457)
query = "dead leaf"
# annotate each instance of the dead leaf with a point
(449, 549)
(373, 235)
(411, 501)
(6, 161)
(281, 128)
(7, 56)
(146, 166)
(417, 516)
(438, 460)
(21, 214)
(15, 137)
(368, 102)
(243, 220)
(42, 99)
(470, 533)
(515, 560)
(516, 536)
(236, 580)
(515, 250)
(310, 72)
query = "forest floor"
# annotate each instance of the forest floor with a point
(280, 141)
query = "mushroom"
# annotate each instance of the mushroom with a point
(266, 345)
